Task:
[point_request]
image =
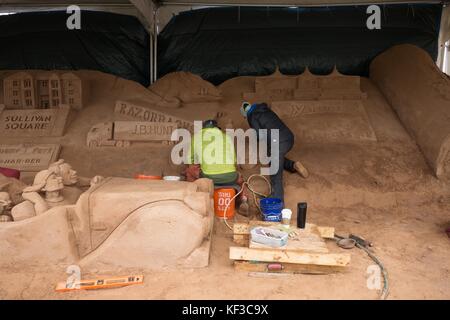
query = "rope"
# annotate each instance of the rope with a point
(385, 291)
(254, 193)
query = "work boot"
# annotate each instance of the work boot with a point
(243, 209)
(301, 169)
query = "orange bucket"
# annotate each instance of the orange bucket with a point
(222, 197)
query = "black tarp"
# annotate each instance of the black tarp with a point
(108, 42)
(221, 43)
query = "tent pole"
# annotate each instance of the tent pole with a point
(155, 54)
(151, 57)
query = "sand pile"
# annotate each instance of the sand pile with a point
(186, 87)
(420, 94)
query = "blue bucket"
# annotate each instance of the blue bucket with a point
(271, 209)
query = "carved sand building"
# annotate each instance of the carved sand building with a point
(44, 90)
(18, 91)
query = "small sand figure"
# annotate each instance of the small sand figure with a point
(70, 176)
(46, 182)
(5, 204)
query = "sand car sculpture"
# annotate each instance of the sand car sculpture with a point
(116, 222)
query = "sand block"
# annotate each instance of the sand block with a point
(33, 122)
(143, 131)
(109, 207)
(326, 120)
(154, 237)
(134, 111)
(28, 157)
(44, 241)
(116, 223)
(420, 95)
(22, 211)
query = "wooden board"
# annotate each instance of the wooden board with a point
(285, 256)
(249, 266)
(244, 228)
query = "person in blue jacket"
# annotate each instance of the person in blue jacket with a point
(260, 116)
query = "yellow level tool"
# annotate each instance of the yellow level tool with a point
(99, 283)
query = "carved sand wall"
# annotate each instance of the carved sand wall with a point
(117, 223)
(318, 109)
(306, 86)
(420, 94)
(326, 120)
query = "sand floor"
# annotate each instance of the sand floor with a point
(383, 191)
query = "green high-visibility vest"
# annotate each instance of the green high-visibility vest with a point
(214, 151)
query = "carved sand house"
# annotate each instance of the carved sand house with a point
(44, 90)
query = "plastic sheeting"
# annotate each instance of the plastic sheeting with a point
(108, 42)
(221, 43)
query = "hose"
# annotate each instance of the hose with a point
(385, 291)
(254, 193)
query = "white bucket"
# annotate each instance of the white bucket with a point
(172, 178)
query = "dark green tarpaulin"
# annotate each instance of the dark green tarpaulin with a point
(108, 42)
(221, 43)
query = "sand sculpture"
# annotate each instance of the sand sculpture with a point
(123, 133)
(134, 111)
(420, 94)
(28, 157)
(185, 87)
(34, 122)
(318, 109)
(118, 223)
(56, 186)
(326, 120)
(279, 87)
(5, 206)
(44, 90)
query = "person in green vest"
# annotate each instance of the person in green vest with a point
(214, 151)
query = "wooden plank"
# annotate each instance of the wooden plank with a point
(264, 267)
(244, 228)
(326, 232)
(272, 255)
(300, 245)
